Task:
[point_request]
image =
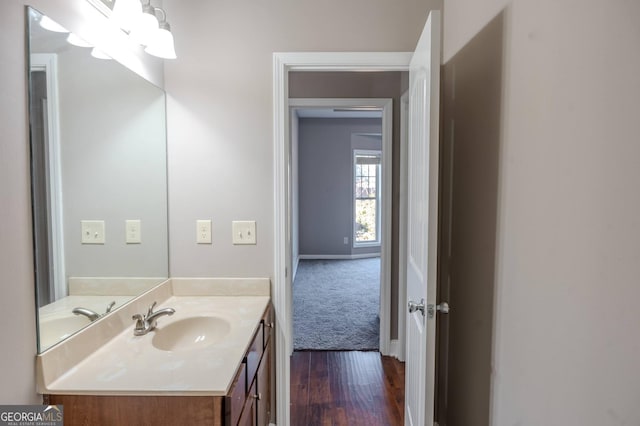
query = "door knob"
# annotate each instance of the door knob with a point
(413, 306)
(443, 308)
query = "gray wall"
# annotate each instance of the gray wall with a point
(567, 237)
(325, 192)
(16, 250)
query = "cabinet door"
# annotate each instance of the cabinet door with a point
(267, 326)
(235, 400)
(248, 416)
(264, 389)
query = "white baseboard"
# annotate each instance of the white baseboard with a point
(395, 350)
(337, 256)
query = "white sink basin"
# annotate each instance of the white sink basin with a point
(190, 333)
(55, 329)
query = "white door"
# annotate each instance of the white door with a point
(424, 101)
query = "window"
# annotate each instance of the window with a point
(366, 226)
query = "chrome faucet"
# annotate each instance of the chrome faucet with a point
(87, 313)
(146, 323)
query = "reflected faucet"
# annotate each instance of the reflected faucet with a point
(91, 314)
(87, 313)
(146, 323)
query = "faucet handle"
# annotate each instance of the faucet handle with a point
(139, 319)
(110, 306)
(153, 305)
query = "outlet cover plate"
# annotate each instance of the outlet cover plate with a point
(203, 229)
(133, 231)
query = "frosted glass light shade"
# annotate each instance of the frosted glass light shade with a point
(99, 54)
(162, 44)
(145, 27)
(77, 41)
(51, 25)
(126, 13)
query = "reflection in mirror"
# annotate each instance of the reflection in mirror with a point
(99, 183)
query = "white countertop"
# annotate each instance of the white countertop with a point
(124, 364)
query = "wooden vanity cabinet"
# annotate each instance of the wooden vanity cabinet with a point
(247, 403)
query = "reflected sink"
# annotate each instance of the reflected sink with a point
(190, 333)
(56, 329)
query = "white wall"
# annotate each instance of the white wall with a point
(17, 303)
(220, 111)
(566, 344)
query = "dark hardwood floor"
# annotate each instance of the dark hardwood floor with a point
(346, 388)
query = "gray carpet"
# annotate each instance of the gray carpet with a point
(336, 305)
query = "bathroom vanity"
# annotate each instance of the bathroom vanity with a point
(207, 364)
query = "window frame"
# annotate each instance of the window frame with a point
(378, 198)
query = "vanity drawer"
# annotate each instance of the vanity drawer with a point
(236, 398)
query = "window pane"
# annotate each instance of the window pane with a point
(366, 220)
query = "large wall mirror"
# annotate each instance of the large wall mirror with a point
(99, 181)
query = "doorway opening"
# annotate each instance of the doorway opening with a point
(339, 245)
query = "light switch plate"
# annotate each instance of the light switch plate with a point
(92, 231)
(203, 229)
(133, 231)
(244, 231)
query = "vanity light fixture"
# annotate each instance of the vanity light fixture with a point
(146, 26)
(144, 23)
(161, 45)
(126, 13)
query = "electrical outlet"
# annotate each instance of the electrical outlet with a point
(244, 231)
(203, 228)
(346, 241)
(133, 232)
(92, 231)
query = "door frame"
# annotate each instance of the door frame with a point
(48, 63)
(283, 62)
